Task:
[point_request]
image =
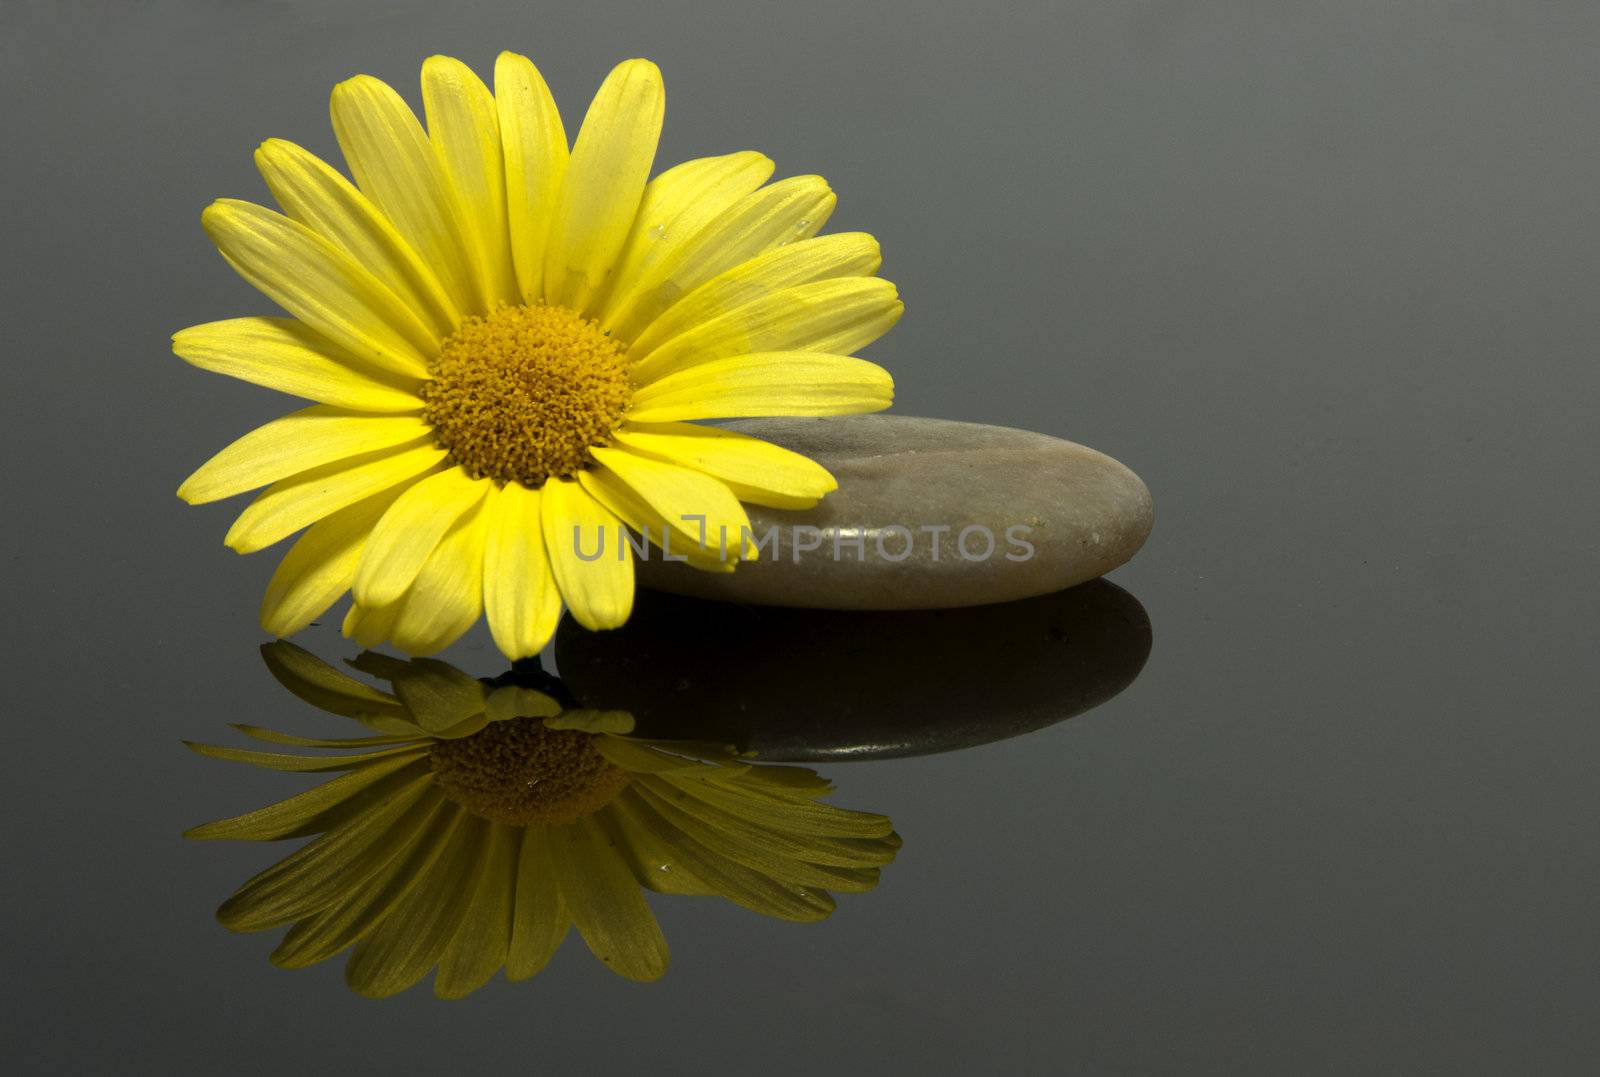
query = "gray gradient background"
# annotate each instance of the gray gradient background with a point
(1323, 273)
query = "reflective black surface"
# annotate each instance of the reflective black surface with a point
(1322, 274)
(808, 685)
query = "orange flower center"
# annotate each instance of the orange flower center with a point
(524, 392)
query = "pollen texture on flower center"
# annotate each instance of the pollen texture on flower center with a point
(523, 393)
(518, 772)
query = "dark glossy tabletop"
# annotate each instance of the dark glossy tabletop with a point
(1326, 802)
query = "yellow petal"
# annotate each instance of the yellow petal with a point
(769, 852)
(437, 694)
(754, 470)
(820, 825)
(465, 130)
(788, 211)
(592, 721)
(540, 920)
(641, 757)
(291, 357)
(519, 591)
(410, 531)
(447, 598)
(290, 504)
(604, 182)
(769, 383)
(382, 666)
(326, 869)
(410, 939)
(513, 701)
(606, 903)
(314, 193)
(297, 442)
(833, 316)
(479, 946)
(395, 165)
(846, 254)
(655, 858)
(323, 686)
(676, 205)
(354, 914)
(370, 626)
(589, 557)
(718, 875)
(670, 536)
(464, 728)
(534, 146)
(320, 566)
(302, 764)
(291, 816)
(321, 285)
(694, 504)
(272, 736)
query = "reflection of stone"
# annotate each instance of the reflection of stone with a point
(930, 514)
(817, 684)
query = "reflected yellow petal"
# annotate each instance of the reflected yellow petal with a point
(606, 903)
(437, 695)
(482, 941)
(359, 912)
(411, 938)
(540, 919)
(323, 686)
(324, 871)
(291, 816)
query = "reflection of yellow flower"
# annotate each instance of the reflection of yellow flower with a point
(507, 340)
(483, 819)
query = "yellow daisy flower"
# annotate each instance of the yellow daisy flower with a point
(483, 819)
(508, 342)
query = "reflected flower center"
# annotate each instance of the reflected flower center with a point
(518, 772)
(524, 392)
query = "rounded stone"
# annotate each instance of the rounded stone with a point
(929, 514)
(799, 685)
